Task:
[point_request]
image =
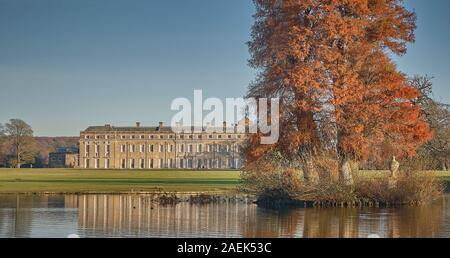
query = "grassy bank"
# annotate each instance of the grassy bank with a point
(75, 181)
(444, 175)
(81, 181)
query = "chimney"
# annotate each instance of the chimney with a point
(138, 124)
(224, 127)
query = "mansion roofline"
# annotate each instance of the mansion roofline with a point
(158, 129)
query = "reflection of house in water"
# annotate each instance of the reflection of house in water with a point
(138, 215)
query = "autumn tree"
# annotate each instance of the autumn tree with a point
(340, 93)
(23, 146)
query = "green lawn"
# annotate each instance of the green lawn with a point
(110, 181)
(73, 180)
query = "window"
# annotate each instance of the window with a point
(107, 149)
(170, 148)
(190, 163)
(209, 163)
(229, 136)
(230, 163)
(181, 163)
(219, 148)
(219, 163)
(152, 136)
(132, 163)
(106, 137)
(97, 137)
(86, 163)
(161, 137)
(210, 136)
(150, 148)
(142, 164)
(199, 148)
(132, 148)
(123, 163)
(133, 137)
(191, 136)
(228, 148)
(199, 163)
(96, 163)
(106, 163)
(122, 148)
(181, 148)
(150, 163)
(190, 148)
(142, 149)
(161, 163)
(86, 148)
(142, 136)
(219, 136)
(208, 148)
(161, 148)
(123, 136)
(238, 148)
(200, 136)
(170, 163)
(97, 148)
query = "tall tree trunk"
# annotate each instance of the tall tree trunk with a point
(310, 173)
(18, 159)
(345, 172)
(444, 166)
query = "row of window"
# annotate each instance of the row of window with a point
(170, 136)
(189, 148)
(169, 163)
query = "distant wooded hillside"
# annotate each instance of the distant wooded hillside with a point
(45, 145)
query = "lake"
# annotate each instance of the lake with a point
(137, 216)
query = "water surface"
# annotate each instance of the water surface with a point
(137, 216)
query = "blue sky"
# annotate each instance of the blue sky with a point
(68, 64)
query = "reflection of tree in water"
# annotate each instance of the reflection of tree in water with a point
(268, 223)
(424, 221)
(17, 217)
(331, 223)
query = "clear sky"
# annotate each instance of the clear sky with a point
(68, 64)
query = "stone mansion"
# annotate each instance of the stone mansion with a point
(136, 147)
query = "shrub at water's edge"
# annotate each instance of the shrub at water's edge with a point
(274, 183)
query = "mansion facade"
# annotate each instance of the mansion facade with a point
(136, 147)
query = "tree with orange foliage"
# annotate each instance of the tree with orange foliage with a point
(327, 61)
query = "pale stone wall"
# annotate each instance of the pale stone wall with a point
(154, 148)
(63, 160)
